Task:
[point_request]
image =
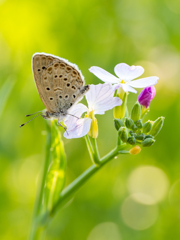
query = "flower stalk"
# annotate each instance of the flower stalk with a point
(68, 192)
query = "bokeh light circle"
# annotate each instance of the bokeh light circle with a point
(138, 216)
(105, 231)
(148, 184)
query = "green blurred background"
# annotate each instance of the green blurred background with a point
(132, 197)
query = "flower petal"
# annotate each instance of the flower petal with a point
(127, 88)
(144, 82)
(153, 92)
(100, 98)
(81, 128)
(116, 86)
(145, 96)
(103, 75)
(115, 101)
(126, 72)
(74, 114)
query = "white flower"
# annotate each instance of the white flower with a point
(100, 98)
(125, 75)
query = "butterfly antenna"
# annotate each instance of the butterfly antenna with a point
(33, 113)
(73, 115)
(30, 120)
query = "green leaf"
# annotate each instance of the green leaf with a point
(4, 93)
(56, 174)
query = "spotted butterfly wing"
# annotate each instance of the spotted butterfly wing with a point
(60, 83)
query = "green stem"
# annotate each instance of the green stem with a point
(90, 149)
(35, 230)
(96, 152)
(119, 142)
(81, 180)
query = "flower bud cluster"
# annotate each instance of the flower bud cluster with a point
(133, 131)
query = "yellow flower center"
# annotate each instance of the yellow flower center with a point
(122, 81)
(89, 115)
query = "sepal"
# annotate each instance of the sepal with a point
(136, 112)
(118, 123)
(123, 134)
(131, 140)
(156, 127)
(129, 123)
(148, 142)
(147, 126)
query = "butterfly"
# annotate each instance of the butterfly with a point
(60, 85)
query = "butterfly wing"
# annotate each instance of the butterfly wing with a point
(60, 83)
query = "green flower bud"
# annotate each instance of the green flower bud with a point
(129, 123)
(134, 127)
(132, 133)
(148, 142)
(119, 111)
(131, 140)
(156, 127)
(118, 123)
(140, 137)
(147, 126)
(139, 124)
(138, 131)
(149, 136)
(123, 134)
(136, 112)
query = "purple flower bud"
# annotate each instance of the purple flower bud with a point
(146, 96)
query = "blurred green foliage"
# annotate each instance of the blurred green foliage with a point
(99, 33)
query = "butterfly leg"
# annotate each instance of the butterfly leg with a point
(44, 116)
(65, 128)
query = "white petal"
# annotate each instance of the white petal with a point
(81, 128)
(144, 82)
(100, 98)
(127, 88)
(116, 101)
(74, 114)
(103, 75)
(78, 109)
(126, 72)
(116, 86)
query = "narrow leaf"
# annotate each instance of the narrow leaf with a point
(56, 173)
